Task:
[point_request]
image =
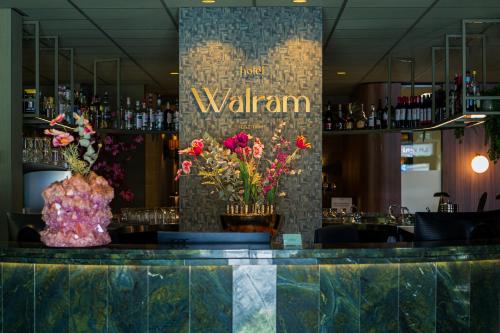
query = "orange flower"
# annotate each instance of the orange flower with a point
(301, 142)
(57, 119)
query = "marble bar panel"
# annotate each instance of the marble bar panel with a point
(417, 297)
(51, 298)
(254, 298)
(18, 288)
(88, 298)
(485, 296)
(168, 299)
(453, 297)
(298, 298)
(127, 299)
(379, 297)
(340, 298)
(211, 299)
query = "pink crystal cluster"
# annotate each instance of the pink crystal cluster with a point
(77, 212)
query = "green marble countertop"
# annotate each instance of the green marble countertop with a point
(251, 254)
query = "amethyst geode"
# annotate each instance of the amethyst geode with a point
(77, 212)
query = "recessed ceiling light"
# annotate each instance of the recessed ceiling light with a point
(299, 1)
(342, 73)
(208, 1)
(174, 73)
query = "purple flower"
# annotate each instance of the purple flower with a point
(242, 139)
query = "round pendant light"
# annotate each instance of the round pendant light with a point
(480, 164)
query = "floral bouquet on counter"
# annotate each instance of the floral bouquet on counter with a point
(76, 210)
(238, 170)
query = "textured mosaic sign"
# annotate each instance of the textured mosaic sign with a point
(250, 68)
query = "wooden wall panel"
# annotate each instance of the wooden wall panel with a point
(365, 167)
(464, 186)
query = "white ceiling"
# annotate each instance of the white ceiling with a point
(144, 35)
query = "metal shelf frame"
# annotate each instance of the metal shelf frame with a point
(464, 68)
(36, 25)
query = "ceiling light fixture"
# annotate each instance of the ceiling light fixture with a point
(208, 1)
(299, 1)
(174, 73)
(342, 73)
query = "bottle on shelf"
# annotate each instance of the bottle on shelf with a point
(152, 115)
(397, 118)
(138, 115)
(129, 114)
(349, 119)
(159, 115)
(339, 121)
(372, 117)
(169, 115)
(328, 120)
(147, 118)
(106, 112)
(474, 91)
(384, 117)
(176, 116)
(362, 121)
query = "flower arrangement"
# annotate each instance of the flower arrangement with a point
(237, 170)
(76, 210)
(77, 163)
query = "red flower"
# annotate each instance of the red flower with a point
(57, 119)
(241, 139)
(186, 166)
(230, 143)
(302, 143)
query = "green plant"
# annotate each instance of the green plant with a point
(492, 126)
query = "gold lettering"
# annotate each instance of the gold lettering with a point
(296, 102)
(234, 100)
(256, 100)
(247, 99)
(211, 100)
(277, 103)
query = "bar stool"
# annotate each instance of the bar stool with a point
(24, 227)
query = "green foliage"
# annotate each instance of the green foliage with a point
(492, 137)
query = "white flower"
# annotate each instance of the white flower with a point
(282, 194)
(299, 171)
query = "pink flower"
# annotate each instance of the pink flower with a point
(186, 167)
(258, 148)
(302, 143)
(282, 157)
(57, 119)
(62, 140)
(230, 143)
(127, 195)
(242, 139)
(88, 129)
(267, 188)
(139, 139)
(53, 132)
(179, 174)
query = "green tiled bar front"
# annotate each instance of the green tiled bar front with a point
(120, 289)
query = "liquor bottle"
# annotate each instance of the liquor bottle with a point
(409, 113)
(119, 121)
(339, 122)
(138, 115)
(169, 115)
(385, 114)
(159, 115)
(398, 113)
(176, 115)
(362, 121)
(152, 117)
(476, 104)
(416, 111)
(129, 114)
(428, 111)
(146, 117)
(372, 117)
(379, 115)
(349, 119)
(328, 121)
(93, 112)
(106, 116)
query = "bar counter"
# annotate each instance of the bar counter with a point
(403, 287)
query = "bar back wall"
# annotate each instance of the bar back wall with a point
(250, 52)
